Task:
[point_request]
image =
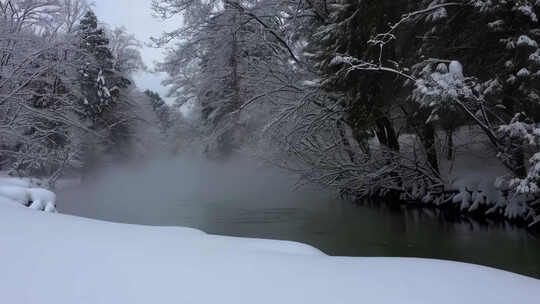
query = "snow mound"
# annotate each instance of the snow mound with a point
(21, 192)
(52, 258)
(10, 202)
(15, 193)
(12, 181)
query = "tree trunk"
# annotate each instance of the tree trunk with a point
(386, 134)
(518, 160)
(235, 77)
(450, 144)
(428, 139)
(227, 140)
(345, 141)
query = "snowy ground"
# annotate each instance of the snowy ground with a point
(53, 258)
(26, 192)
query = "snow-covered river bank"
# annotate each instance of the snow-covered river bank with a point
(52, 258)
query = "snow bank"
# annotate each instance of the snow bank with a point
(52, 258)
(10, 202)
(42, 199)
(12, 181)
(15, 193)
(21, 191)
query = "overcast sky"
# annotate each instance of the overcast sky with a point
(136, 16)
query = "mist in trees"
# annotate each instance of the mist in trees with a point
(373, 99)
(68, 103)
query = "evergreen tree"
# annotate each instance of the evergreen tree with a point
(366, 96)
(504, 33)
(97, 68)
(101, 83)
(105, 101)
(493, 81)
(162, 110)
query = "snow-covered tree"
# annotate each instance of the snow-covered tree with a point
(162, 110)
(497, 91)
(98, 71)
(38, 73)
(60, 92)
(110, 104)
(125, 49)
(361, 92)
(227, 59)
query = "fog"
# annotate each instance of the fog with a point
(191, 192)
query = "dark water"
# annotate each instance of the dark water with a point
(336, 227)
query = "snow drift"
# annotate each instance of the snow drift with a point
(53, 258)
(22, 192)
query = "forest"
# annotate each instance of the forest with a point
(430, 102)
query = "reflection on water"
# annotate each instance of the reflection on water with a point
(338, 228)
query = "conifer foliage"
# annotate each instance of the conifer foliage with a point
(101, 83)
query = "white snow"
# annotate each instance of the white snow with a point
(456, 68)
(512, 79)
(22, 192)
(442, 68)
(496, 25)
(51, 258)
(15, 193)
(11, 181)
(337, 60)
(535, 57)
(10, 202)
(435, 88)
(42, 199)
(438, 14)
(523, 73)
(527, 10)
(525, 40)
